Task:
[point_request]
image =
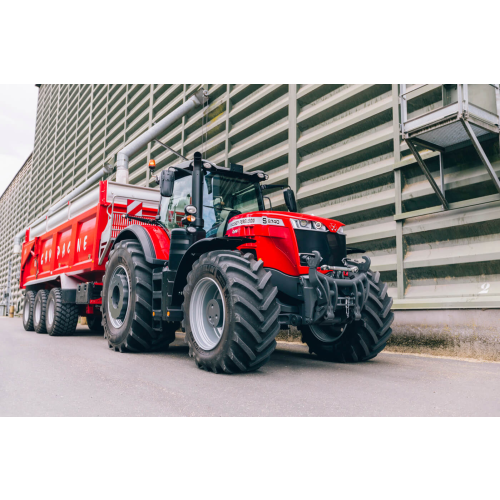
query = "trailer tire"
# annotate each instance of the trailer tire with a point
(94, 322)
(29, 304)
(60, 318)
(127, 299)
(240, 335)
(362, 340)
(39, 311)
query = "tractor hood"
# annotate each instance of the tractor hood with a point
(274, 218)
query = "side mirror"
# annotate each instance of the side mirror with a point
(167, 181)
(290, 202)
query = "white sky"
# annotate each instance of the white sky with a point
(17, 128)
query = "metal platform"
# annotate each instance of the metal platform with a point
(465, 115)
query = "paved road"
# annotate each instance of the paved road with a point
(80, 376)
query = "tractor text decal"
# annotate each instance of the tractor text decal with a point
(252, 221)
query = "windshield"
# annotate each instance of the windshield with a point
(223, 198)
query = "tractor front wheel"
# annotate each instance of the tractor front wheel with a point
(230, 312)
(127, 300)
(361, 340)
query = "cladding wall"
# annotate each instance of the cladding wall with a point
(15, 214)
(338, 146)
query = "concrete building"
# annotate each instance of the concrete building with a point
(338, 145)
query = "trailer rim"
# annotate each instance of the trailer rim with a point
(38, 312)
(26, 314)
(51, 312)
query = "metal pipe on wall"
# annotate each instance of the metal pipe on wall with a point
(124, 155)
(106, 170)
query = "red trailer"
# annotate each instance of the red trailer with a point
(69, 249)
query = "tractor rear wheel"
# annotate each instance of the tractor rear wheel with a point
(60, 319)
(230, 312)
(127, 300)
(39, 311)
(361, 340)
(29, 305)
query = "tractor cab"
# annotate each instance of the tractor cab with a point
(225, 194)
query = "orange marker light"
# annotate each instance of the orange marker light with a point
(152, 164)
(191, 218)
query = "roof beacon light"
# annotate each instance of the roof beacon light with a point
(152, 165)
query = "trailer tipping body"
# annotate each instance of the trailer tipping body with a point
(71, 246)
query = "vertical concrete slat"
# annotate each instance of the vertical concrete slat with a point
(398, 194)
(292, 136)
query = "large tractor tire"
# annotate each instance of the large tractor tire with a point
(230, 312)
(361, 340)
(60, 319)
(29, 305)
(127, 300)
(39, 311)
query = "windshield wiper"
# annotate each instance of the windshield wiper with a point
(213, 208)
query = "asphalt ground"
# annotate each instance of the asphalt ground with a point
(79, 376)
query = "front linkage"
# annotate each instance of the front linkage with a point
(329, 300)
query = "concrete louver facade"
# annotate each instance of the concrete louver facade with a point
(337, 145)
(15, 213)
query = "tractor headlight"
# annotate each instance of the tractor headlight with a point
(340, 230)
(308, 225)
(191, 209)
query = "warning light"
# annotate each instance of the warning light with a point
(152, 164)
(191, 218)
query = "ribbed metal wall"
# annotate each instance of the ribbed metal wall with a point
(338, 146)
(15, 213)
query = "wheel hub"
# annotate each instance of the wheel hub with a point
(213, 313)
(118, 296)
(206, 314)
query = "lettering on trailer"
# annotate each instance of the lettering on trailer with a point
(134, 208)
(252, 221)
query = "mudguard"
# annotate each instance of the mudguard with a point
(139, 233)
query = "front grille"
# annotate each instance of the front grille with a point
(331, 246)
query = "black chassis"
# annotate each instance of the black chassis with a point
(322, 299)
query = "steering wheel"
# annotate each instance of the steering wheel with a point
(221, 231)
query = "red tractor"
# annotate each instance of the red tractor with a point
(202, 253)
(238, 274)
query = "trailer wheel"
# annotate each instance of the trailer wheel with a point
(39, 311)
(230, 312)
(94, 323)
(362, 340)
(29, 304)
(60, 319)
(127, 300)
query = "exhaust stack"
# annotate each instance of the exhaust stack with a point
(122, 165)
